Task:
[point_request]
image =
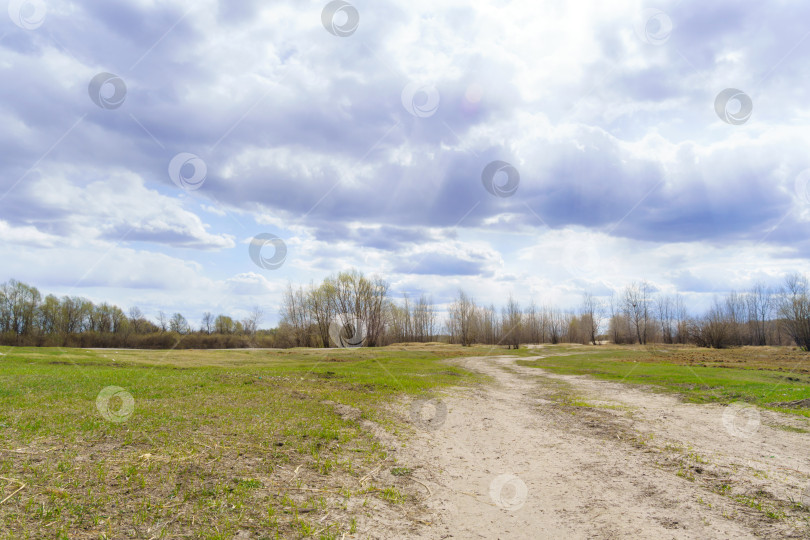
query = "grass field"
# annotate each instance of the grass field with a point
(217, 441)
(206, 444)
(765, 376)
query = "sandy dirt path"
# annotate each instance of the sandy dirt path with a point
(535, 455)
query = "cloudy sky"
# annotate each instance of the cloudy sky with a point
(538, 147)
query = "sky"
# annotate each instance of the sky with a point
(199, 155)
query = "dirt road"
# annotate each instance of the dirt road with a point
(535, 455)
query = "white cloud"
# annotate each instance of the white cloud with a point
(305, 136)
(25, 236)
(119, 208)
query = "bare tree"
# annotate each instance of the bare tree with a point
(558, 326)
(759, 303)
(295, 314)
(592, 313)
(794, 310)
(615, 313)
(207, 325)
(512, 324)
(162, 321)
(320, 303)
(355, 299)
(137, 321)
(532, 324)
(663, 307)
(462, 318)
(714, 329)
(424, 319)
(637, 308)
(735, 312)
(681, 319)
(252, 321)
(485, 325)
(135, 313)
(407, 319)
(363, 299)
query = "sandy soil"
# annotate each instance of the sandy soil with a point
(512, 459)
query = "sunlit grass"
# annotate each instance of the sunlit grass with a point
(700, 375)
(218, 441)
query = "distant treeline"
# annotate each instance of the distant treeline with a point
(759, 316)
(28, 319)
(352, 308)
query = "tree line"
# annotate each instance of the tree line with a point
(343, 302)
(759, 316)
(350, 308)
(28, 319)
(635, 315)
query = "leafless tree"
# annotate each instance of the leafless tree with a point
(637, 308)
(735, 312)
(295, 315)
(714, 329)
(591, 312)
(532, 324)
(615, 314)
(207, 324)
(320, 305)
(461, 318)
(412, 321)
(485, 325)
(137, 321)
(558, 326)
(135, 313)
(681, 319)
(759, 303)
(663, 307)
(407, 319)
(364, 299)
(424, 319)
(794, 310)
(162, 321)
(253, 320)
(512, 323)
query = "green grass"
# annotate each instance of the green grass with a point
(217, 442)
(401, 471)
(697, 383)
(224, 441)
(792, 429)
(393, 495)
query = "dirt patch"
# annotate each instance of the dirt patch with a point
(537, 455)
